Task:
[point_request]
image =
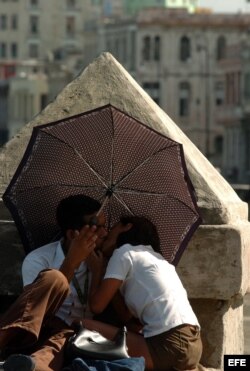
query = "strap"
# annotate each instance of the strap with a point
(83, 296)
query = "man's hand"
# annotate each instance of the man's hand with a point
(80, 248)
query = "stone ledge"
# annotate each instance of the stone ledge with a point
(216, 263)
(11, 257)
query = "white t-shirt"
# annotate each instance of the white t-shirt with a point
(52, 256)
(151, 288)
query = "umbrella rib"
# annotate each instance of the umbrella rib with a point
(123, 203)
(152, 194)
(81, 157)
(112, 149)
(142, 163)
(61, 185)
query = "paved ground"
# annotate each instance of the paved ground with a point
(247, 323)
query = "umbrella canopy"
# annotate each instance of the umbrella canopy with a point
(100, 153)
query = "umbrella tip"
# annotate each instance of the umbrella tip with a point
(109, 192)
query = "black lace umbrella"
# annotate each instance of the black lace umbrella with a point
(108, 155)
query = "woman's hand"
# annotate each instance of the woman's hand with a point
(96, 262)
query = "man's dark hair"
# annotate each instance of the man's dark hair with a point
(142, 232)
(71, 211)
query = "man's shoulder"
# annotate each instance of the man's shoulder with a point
(48, 249)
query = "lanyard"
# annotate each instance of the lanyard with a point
(83, 296)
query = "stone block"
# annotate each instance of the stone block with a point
(11, 257)
(222, 329)
(215, 265)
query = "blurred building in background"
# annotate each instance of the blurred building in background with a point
(194, 63)
(177, 58)
(132, 7)
(38, 35)
(234, 113)
(38, 29)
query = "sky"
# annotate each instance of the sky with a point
(226, 5)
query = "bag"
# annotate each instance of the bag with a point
(89, 344)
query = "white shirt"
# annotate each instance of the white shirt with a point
(52, 256)
(151, 288)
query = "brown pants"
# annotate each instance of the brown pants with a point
(176, 350)
(29, 326)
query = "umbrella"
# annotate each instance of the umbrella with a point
(103, 153)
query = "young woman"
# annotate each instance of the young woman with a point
(153, 293)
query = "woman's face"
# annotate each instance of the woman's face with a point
(109, 243)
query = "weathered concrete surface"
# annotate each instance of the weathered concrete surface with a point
(216, 264)
(11, 256)
(215, 267)
(222, 333)
(246, 323)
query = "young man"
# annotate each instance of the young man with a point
(41, 320)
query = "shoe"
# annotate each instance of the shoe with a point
(18, 362)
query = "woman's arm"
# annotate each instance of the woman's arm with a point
(102, 296)
(121, 308)
(101, 291)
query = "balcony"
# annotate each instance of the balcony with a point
(229, 114)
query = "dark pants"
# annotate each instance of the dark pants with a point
(177, 350)
(30, 327)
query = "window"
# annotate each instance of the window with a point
(133, 50)
(10, 70)
(34, 3)
(221, 48)
(233, 87)
(218, 144)
(184, 99)
(4, 135)
(33, 51)
(3, 22)
(124, 49)
(157, 48)
(34, 25)
(151, 48)
(3, 50)
(146, 49)
(153, 89)
(247, 86)
(13, 50)
(219, 93)
(43, 101)
(185, 51)
(70, 4)
(117, 48)
(14, 22)
(70, 26)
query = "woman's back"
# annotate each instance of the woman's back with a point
(151, 288)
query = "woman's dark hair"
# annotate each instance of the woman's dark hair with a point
(142, 232)
(71, 211)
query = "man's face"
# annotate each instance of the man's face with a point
(101, 230)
